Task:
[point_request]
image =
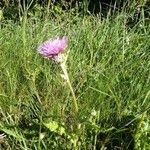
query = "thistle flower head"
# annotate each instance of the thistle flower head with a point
(53, 47)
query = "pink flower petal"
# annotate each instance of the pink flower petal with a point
(53, 47)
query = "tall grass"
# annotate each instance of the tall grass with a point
(108, 65)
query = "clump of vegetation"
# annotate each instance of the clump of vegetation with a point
(108, 66)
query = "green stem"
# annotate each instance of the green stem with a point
(63, 67)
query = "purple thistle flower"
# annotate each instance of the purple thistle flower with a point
(52, 47)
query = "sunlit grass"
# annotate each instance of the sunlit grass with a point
(108, 66)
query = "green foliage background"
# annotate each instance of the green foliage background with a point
(108, 64)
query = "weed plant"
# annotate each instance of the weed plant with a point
(109, 68)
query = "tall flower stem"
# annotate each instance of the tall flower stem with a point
(64, 69)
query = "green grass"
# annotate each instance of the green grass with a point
(109, 68)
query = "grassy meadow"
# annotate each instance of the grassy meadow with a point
(109, 69)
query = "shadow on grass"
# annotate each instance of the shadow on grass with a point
(121, 137)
